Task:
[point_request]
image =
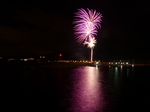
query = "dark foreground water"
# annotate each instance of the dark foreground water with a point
(81, 89)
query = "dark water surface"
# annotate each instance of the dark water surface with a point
(25, 86)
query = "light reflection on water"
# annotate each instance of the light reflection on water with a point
(81, 89)
(87, 91)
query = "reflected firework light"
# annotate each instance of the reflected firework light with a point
(86, 27)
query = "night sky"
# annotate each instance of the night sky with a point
(45, 27)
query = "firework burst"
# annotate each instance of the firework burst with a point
(86, 27)
(86, 24)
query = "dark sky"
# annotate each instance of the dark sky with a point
(44, 27)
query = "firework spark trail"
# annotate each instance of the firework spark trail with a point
(86, 25)
(90, 43)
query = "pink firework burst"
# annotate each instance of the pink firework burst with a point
(86, 25)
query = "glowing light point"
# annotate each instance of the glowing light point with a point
(60, 55)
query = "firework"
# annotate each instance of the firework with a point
(86, 24)
(90, 43)
(86, 27)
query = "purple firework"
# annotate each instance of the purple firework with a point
(86, 25)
